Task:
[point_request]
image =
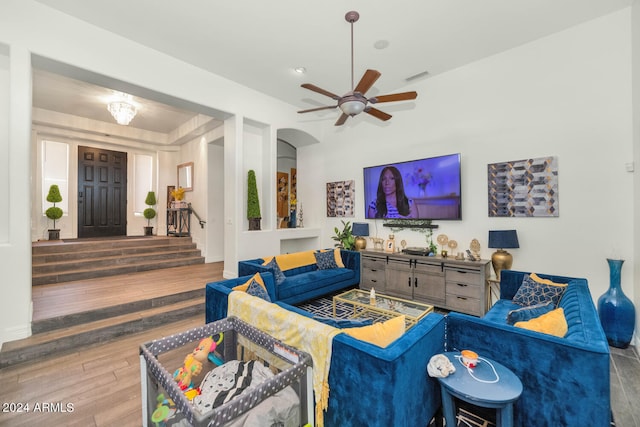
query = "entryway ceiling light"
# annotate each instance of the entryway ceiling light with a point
(122, 109)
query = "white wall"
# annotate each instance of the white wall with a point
(28, 27)
(567, 95)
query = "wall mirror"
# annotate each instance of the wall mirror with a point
(185, 176)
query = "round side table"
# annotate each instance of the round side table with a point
(480, 389)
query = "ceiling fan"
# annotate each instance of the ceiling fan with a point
(354, 102)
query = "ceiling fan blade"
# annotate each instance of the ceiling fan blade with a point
(378, 114)
(343, 118)
(394, 97)
(367, 80)
(320, 90)
(329, 107)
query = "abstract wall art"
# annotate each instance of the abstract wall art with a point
(340, 199)
(524, 188)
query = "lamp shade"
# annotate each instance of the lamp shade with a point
(503, 239)
(360, 229)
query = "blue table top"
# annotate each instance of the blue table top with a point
(480, 384)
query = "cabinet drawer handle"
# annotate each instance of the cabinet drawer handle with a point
(373, 270)
(462, 298)
(415, 282)
(462, 284)
(409, 281)
(374, 281)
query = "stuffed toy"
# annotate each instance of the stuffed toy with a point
(192, 365)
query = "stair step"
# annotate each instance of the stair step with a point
(82, 259)
(84, 245)
(112, 261)
(90, 273)
(72, 338)
(70, 256)
(74, 319)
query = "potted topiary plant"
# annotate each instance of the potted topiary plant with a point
(54, 212)
(149, 213)
(253, 204)
(345, 239)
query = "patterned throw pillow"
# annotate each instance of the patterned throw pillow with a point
(527, 313)
(254, 286)
(532, 292)
(258, 291)
(325, 260)
(278, 275)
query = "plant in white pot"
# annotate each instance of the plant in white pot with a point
(150, 212)
(54, 212)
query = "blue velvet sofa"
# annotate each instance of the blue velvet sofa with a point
(307, 282)
(369, 386)
(566, 380)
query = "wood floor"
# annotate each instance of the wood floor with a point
(100, 385)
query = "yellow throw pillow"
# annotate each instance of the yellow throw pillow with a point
(380, 334)
(296, 259)
(336, 253)
(257, 277)
(538, 279)
(552, 323)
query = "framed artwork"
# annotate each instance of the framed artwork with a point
(340, 199)
(294, 183)
(524, 188)
(282, 188)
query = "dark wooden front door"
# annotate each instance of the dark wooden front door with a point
(102, 192)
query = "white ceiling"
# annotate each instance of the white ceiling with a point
(258, 43)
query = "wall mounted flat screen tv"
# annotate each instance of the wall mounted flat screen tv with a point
(418, 189)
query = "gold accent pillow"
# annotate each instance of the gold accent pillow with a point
(381, 334)
(552, 323)
(538, 279)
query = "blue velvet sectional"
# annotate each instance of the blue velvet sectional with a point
(566, 380)
(307, 282)
(369, 386)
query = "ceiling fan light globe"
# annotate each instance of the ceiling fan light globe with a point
(353, 107)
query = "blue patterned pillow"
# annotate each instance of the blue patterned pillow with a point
(343, 323)
(257, 290)
(525, 314)
(532, 293)
(326, 260)
(278, 275)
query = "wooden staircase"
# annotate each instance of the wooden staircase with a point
(79, 259)
(89, 292)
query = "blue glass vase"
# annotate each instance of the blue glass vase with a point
(616, 311)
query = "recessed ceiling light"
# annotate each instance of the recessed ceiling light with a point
(381, 44)
(300, 70)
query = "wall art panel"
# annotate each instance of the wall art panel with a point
(524, 188)
(340, 199)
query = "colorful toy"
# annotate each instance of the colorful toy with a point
(192, 365)
(164, 410)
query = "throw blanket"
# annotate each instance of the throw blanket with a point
(295, 330)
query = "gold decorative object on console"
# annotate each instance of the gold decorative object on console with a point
(377, 243)
(475, 248)
(452, 245)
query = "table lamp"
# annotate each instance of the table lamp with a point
(501, 239)
(360, 230)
